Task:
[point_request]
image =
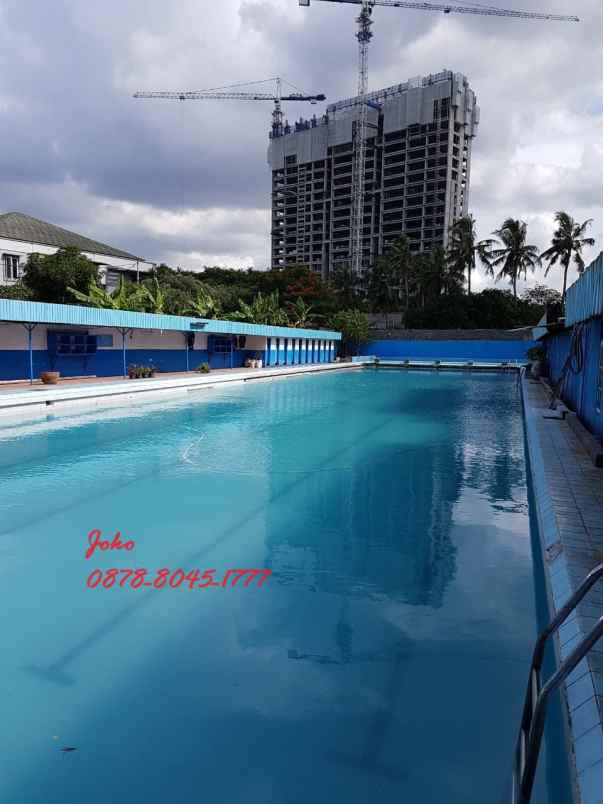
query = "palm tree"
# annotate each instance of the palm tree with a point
(382, 297)
(515, 256)
(401, 268)
(464, 249)
(346, 284)
(568, 240)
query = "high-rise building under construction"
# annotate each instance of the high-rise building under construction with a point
(418, 158)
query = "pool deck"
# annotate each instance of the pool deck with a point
(568, 491)
(27, 397)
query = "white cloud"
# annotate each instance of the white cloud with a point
(189, 181)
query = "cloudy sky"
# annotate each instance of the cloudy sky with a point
(188, 183)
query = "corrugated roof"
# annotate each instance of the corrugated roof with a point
(74, 315)
(584, 299)
(16, 226)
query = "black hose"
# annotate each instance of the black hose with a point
(576, 353)
(574, 361)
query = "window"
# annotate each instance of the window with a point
(71, 343)
(104, 341)
(10, 264)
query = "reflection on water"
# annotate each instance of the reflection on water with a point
(386, 655)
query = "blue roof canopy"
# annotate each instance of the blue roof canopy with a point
(584, 299)
(74, 315)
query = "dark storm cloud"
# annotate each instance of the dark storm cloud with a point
(169, 178)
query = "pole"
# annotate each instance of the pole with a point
(30, 328)
(124, 332)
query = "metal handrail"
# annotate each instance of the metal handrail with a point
(534, 710)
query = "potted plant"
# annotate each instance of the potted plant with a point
(50, 377)
(537, 357)
(132, 369)
(203, 368)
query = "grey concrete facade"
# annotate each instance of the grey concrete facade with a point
(417, 173)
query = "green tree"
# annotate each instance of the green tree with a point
(262, 310)
(50, 277)
(383, 298)
(401, 269)
(300, 313)
(346, 285)
(354, 327)
(541, 295)
(515, 256)
(18, 291)
(568, 241)
(205, 304)
(464, 249)
(152, 298)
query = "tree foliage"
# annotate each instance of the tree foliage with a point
(49, 277)
(354, 327)
(514, 256)
(568, 241)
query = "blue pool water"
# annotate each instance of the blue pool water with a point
(385, 658)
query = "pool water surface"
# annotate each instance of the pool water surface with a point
(383, 660)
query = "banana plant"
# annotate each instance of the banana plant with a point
(120, 299)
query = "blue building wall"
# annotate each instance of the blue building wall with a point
(14, 363)
(487, 351)
(580, 389)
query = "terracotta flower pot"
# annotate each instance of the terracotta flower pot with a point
(50, 377)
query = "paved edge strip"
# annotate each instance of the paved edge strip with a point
(564, 568)
(10, 403)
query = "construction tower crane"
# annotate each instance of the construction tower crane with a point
(364, 36)
(233, 92)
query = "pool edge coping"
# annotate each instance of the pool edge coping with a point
(585, 748)
(29, 401)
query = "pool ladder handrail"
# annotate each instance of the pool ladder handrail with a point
(534, 710)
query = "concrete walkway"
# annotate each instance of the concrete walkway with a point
(38, 396)
(568, 490)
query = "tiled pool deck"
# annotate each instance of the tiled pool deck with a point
(568, 490)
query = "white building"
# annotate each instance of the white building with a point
(22, 235)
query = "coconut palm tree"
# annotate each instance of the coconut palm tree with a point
(401, 268)
(568, 241)
(515, 256)
(464, 249)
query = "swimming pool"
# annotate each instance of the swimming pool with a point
(383, 660)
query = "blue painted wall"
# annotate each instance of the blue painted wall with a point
(14, 363)
(580, 390)
(487, 351)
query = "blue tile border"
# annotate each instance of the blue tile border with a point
(570, 549)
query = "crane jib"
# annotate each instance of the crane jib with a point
(447, 8)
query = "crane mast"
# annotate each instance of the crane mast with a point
(364, 36)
